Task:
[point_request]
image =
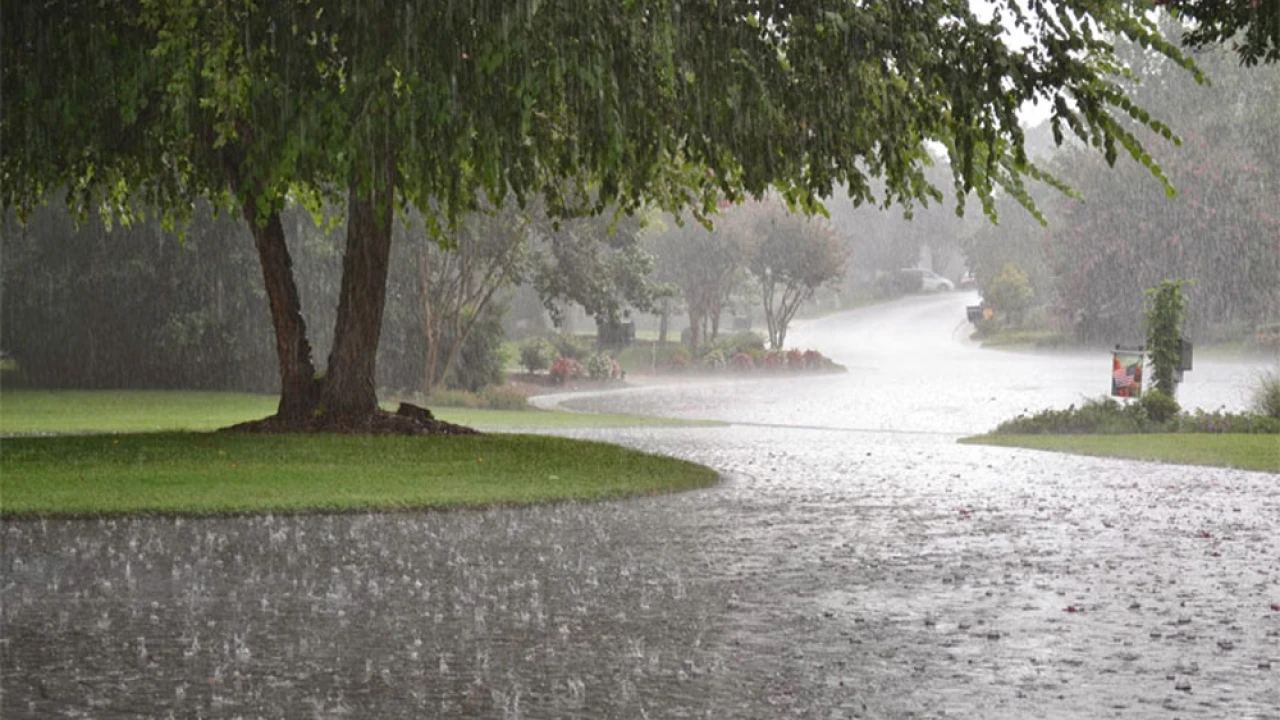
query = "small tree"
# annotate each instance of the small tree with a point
(790, 257)
(535, 355)
(1166, 305)
(1010, 293)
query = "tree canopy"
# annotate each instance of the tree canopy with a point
(1252, 26)
(594, 103)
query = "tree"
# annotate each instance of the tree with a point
(458, 285)
(595, 262)
(433, 105)
(790, 256)
(1123, 235)
(1214, 23)
(701, 264)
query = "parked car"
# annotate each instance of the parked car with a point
(919, 279)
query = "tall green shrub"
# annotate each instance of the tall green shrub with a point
(1166, 306)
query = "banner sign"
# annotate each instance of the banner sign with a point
(1126, 373)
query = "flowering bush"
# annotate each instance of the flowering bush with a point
(742, 361)
(565, 368)
(813, 360)
(795, 360)
(773, 360)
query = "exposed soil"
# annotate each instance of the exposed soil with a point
(406, 420)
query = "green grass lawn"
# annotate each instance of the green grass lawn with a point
(126, 411)
(121, 452)
(1247, 452)
(214, 473)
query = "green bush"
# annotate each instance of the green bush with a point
(535, 355)
(572, 346)
(494, 397)
(1266, 396)
(730, 345)
(1010, 293)
(1099, 415)
(1158, 406)
(502, 397)
(1106, 416)
(600, 367)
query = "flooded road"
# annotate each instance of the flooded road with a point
(856, 562)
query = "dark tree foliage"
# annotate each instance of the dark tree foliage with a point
(1252, 27)
(134, 308)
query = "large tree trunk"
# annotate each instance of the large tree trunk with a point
(349, 392)
(298, 389)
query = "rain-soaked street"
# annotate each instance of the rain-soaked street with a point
(855, 562)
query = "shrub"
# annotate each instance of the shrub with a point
(502, 397)
(679, 358)
(1166, 306)
(1225, 422)
(571, 346)
(565, 368)
(600, 367)
(1099, 415)
(742, 361)
(1010, 293)
(1158, 406)
(1266, 396)
(795, 360)
(813, 360)
(535, 355)
(714, 359)
(774, 360)
(1106, 416)
(731, 345)
(493, 397)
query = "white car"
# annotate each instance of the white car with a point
(918, 279)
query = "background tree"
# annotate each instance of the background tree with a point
(1121, 233)
(596, 262)
(790, 256)
(1252, 25)
(701, 264)
(489, 254)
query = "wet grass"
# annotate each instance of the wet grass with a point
(28, 412)
(212, 473)
(1246, 452)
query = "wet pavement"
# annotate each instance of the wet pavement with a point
(856, 562)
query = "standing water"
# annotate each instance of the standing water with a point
(856, 562)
